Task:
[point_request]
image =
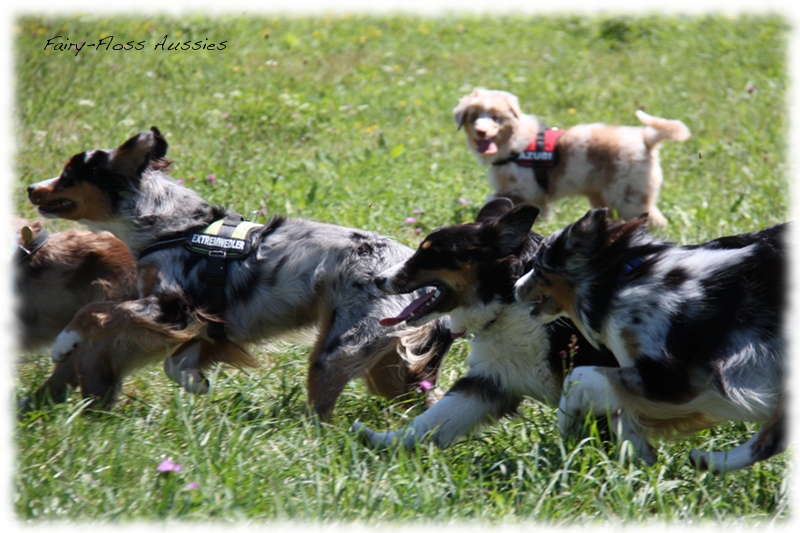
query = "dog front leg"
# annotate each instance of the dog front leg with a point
(55, 389)
(473, 401)
(589, 389)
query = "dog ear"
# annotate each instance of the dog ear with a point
(494, 209)
(132, 157)
(514, 226)
(460, 111)
(594, 218)
(587, 233)
(513, 104)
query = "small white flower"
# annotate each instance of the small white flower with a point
(87, 103)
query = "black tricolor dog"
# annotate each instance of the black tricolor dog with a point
(469, 271)
(697, 330)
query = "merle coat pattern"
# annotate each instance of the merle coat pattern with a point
(301, 275)
(697, 330)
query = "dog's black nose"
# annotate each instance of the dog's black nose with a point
(30, 189)
(379, 281)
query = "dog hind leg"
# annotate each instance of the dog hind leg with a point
(769, 440)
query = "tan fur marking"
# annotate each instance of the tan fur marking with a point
(562, 294)
(604, 152)
(386, 377)
(148, 277)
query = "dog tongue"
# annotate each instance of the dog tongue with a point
(408, 311)
(487, 147)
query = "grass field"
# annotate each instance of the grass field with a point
(348, 120)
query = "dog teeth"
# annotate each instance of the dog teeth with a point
(436, 294)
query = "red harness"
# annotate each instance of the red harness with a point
(540, 154)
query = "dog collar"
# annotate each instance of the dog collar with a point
(30, 244)
(630, 266)
(540, 154)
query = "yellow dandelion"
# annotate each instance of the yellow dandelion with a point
(572, 111)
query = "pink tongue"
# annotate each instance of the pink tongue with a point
(405, 313)
(486, 147)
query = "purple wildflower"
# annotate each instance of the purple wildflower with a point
(411, 220)
(417, 211)
(168, 465)
(179, 182)
(191, 486)
(211, 178)
(463, 201)
(424, 386)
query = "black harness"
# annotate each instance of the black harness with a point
(229, 239)
(30, 244)
(541, 154)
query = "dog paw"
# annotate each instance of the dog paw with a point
(371, 438)
(586, 389)
(66, 343)
(193, 381)
(717, 462)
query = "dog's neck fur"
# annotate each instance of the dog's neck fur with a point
(486, 318)
(159, 207)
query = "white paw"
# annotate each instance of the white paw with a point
(188, 377)
(722, 461)
(586, 389)
(65, 344)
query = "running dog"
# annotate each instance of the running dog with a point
(298, 275)
(697, 331)
(469, 271)
(615, 166)
(55, 275)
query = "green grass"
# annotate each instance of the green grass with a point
(348, 120)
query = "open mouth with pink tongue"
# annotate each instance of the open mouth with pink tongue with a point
(487, 147)
(416, 310)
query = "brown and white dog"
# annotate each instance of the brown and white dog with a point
(614, 166)
(55, 275)
(697, 331)
(300, 275)
(469, 271)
